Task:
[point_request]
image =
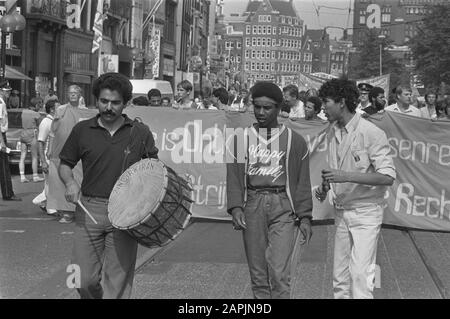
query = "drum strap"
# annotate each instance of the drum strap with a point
(127, 150)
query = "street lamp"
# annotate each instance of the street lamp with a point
(9, 23)
(381, 37)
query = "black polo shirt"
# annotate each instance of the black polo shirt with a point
(103, 156)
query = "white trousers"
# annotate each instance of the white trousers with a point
(355, 249)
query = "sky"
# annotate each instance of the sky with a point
(307, 12)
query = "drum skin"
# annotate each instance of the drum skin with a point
(151, 202)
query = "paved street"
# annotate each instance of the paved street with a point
(207, 260)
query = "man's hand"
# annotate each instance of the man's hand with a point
(72, 192)
(305, 229)
(321, 191)
(238, 219)
(334, 176)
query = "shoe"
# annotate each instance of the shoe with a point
(13, 198)
(66, 220)
(52, 212)
(24, 180)
(38, 179)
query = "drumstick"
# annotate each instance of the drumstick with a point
(86, 211)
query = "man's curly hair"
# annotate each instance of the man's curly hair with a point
(115, 82)
(338, 89)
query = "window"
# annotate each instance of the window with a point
(246, 66)
(258, 42)
(253, 54)
(263, 54)
(272, 66)
(273, 55)
(238, 45)
(247, 42)
(226, 59)
(274, 42)
(274, 30)
(267, 66)
(254, 29)
(227, 45)
(269, 30)
(259, 29)
(283, 20)
(289, 21)
(258, 54)
(253, 66)
(362, 17)
(238, 59)
(254, 42)
(248, 29)
(263, 29)
(268, 54)
(257, 66)
(263, 42)
(247, 54)
(386, 18)
(269, 18)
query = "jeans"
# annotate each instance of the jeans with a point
(355, 249)
(103, 253)
(269, 243)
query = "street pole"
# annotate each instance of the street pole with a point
(3, 57)
(381, 59)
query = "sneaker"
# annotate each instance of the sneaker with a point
(24, 180)
(66, 220)
(52, 212)
(38, 179)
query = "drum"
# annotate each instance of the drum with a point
(151, 202)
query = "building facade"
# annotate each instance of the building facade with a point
(339, 57)
(272, 42)
(319, 41)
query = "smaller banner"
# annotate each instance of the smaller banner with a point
(109, 63)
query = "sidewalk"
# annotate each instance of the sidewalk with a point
(207, 261)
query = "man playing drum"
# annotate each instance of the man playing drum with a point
(106, 145)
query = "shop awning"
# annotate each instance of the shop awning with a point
(13, 74)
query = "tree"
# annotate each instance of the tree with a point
(431, 46)
(366, 62)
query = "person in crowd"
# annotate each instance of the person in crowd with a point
(14, 100)
(39, 101)
(28, 140)
(377, 101)
(302, 96)
(50, 96)
(66, 116)
(43, 143)
(199, 102)
(5, 174)
(154, 97)
(140, 101)
(165, 102)
(297, 108)
(220, 98)
(403, 105)
(313, 107)
(106, 256)
(364, 90)
(443, 109)
(360, 170)
(314, 92)
(429, 110)
(183, 100)
(268, 195)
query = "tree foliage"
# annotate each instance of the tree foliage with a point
(431, 47)
(366, 62)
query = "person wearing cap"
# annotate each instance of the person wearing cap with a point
(364, 90)
(5, 174)
(360, 170)
(269, 194)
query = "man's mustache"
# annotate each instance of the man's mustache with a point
(108, 113)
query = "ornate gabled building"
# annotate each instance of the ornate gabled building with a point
(272, 42)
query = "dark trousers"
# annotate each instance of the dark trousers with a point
(5, 174)
(106, 256)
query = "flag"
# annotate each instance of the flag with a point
(98, 26)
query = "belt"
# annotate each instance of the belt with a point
(275, 190)
(101, 199)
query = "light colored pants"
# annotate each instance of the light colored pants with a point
(103, 253)
(269, 243)
(355, 250)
